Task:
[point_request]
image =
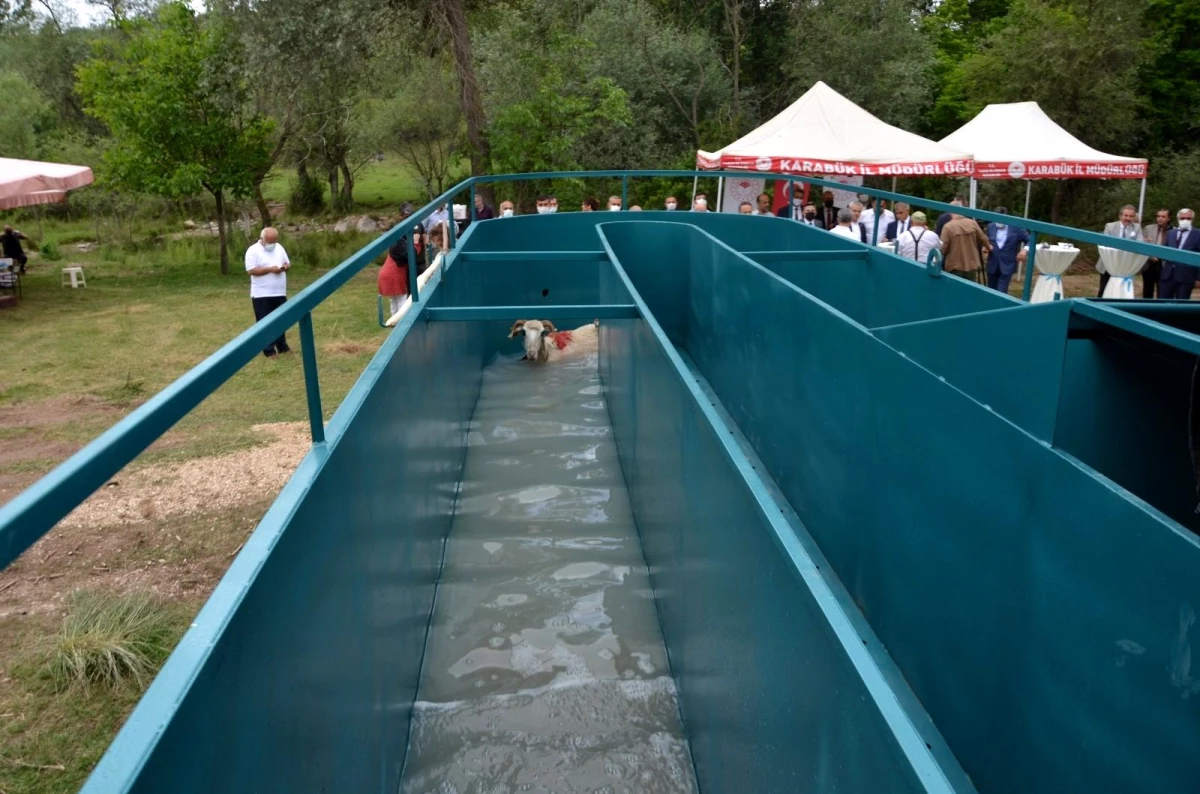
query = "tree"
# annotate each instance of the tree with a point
(1169, 80)
(421, 123)
(173, 97)
(873, 52)
(22, 112)
(453, 17)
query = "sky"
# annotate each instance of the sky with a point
(91, 15)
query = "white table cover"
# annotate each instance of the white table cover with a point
(1121, 267)
(1051, 263)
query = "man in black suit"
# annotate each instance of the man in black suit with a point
(810, 216)
(794, 208)
(828, 213)
(899, 226)
(1178, 280)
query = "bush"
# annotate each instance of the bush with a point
(50, 252)
(109, 640)
(307, 197)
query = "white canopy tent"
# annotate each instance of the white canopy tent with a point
(823, 133)
(25, 183)
(1019, 141)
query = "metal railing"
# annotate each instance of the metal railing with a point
(35, 511)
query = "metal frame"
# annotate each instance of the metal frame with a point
(35, 511)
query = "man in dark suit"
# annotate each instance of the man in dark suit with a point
(1178, 280)
(794, 209)
(810, 216)
(899, 226)
(1007, 249)
(828, 213)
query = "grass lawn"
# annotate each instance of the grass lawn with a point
(383, 185)
(77, 361)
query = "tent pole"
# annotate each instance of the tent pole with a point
(893, 184)
(1028, 192)
(695, 183)
(721, 194)
(1142, 200)
(972, 193)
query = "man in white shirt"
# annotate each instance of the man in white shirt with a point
(868, 219)
(267, 263)
(438, 216)
(764, 205)
(843, 229)
(918, 241)
(856, 221)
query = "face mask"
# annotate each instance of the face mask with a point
(829, 202)
(268, 247)
(810, 216)
(543, 210)
(796, 202)
(505, 213)
(701, 203)
(553, 208)
(613, 208)
(671, 205)
(1185, 224)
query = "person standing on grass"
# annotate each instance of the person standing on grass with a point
(11, 241)
(267, 263)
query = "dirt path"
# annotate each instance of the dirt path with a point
(171, 529)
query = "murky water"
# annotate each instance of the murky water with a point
(545, 669)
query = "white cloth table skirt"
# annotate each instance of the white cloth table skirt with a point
(1051, 263)
(1121, 267)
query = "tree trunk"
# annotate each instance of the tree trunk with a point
(220, 199)
(334, 193)
(347, 187)
(469, 93)
(263, 210)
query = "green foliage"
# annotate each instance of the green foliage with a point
(873, 53)
(307, 196)
(110, 640)
(50, 252)
(22, 112)
(1170, 77)
(175, 102)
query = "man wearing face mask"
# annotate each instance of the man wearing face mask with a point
(1177, 279)
(794, 209)
(829, 213)
(614, 203)
(1008, 248)
(671, 204)
(810, 216)
(553, 204)
(543, 205)
(267, 263)
(506, 209)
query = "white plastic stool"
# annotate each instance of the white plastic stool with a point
(76, 276)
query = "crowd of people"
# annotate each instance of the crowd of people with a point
(987, 253)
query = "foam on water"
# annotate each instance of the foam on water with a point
(545, 669)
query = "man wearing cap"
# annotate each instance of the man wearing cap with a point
(267, 263)
(917, 240)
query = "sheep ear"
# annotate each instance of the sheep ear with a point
(550, 329)
(517, 329)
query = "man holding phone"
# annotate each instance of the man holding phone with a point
(267, 263)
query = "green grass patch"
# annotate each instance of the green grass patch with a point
(109, 641)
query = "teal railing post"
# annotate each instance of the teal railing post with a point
(875, 231)
(1029, 261)
(624, 192)
(308, 349)
(451, 228)
(413, 289)
(472, 207)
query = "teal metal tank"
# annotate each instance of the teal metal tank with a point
(903, 533)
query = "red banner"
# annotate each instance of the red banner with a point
(1057, 169)
(794, 165)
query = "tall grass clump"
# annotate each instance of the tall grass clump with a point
(108, 640)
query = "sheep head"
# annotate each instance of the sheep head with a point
(535, 333)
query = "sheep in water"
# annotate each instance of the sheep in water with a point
(543, 342)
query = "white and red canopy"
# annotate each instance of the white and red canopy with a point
(24, 183)
(822, 132)
(1019, 141)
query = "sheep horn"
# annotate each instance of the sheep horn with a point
(549, 326)
(517, 329)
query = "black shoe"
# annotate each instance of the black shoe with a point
(285, 349)
(269, 353)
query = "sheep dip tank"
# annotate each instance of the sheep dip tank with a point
(545, 668)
